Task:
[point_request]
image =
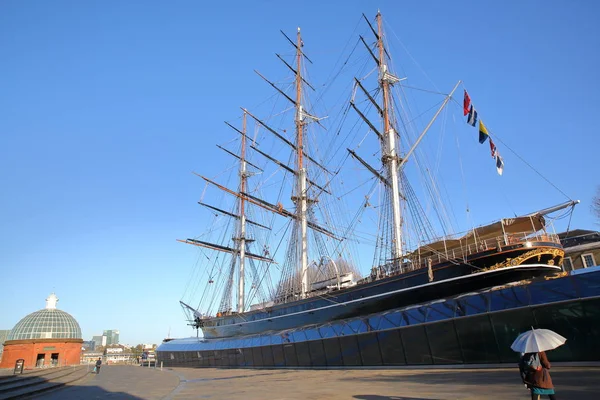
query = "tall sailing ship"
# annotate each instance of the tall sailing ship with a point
(302, 239)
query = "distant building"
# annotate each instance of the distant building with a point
(582, 249)
(90, 357)
(3, 335)
(99, 341)
(112, 337)
(89, 345)
(110, 358)
(114, 349)
(43, 338)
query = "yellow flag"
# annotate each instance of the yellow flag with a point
(483, 133)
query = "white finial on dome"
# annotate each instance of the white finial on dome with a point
(51, 302)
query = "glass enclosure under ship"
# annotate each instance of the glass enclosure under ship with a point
(472, 328)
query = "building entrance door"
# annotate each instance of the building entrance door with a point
(40, 360)
(54, 359)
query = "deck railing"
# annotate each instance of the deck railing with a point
(472, 246)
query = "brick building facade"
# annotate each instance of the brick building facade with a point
(48, 337)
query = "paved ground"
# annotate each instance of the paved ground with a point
(132, 382)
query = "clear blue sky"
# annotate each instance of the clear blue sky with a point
(106, 107)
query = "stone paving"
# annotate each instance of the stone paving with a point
(133, 382)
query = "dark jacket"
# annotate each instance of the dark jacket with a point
(540, 378)
(98, 363)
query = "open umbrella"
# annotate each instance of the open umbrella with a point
(537, 340)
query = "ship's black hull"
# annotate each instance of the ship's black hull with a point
(399, 291)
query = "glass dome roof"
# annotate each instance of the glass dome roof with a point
(48, 323)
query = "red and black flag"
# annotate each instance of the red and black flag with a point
(466, 103)
(493, 148)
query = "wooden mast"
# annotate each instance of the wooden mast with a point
(242, 220)
(301, 200)
(389, 148)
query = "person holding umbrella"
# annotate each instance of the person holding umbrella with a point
(534, 364)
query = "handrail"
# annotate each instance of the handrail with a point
(416, 262)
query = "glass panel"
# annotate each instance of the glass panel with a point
(473, 304)
(257, 356)
(327, 332)
(369, 349)
(373, 322)
(289, 352)
(299, 336)
(205, 358)
(221, 358)
(303, 354)
(588, 284)
(312, 334)
(552, 291)
(247, 353)
(392, 320)
(337, 327)
(592, 314)
(231, 358)
(350, 352)
(347, 330)
(439, 311)
(277, 338)
(333, 352)
(358, 326)
(267, 356)
(507, 326)
(278, 359)
(212, 362)
(505, 299)
(568, 320)
(415, 315)
(477, 339)
(444, 343)
(239, 357)
(211, 345)
(317, 353)
(392, 351)
(265, 340)
(416, 347)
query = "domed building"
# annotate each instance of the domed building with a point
(44, 338)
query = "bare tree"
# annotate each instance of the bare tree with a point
(596, 204)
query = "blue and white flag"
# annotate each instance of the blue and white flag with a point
(499, 164)
(472, 118)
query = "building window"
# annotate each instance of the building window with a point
(588, 260)
(568, 264)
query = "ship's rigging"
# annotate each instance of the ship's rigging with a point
(313, 245)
